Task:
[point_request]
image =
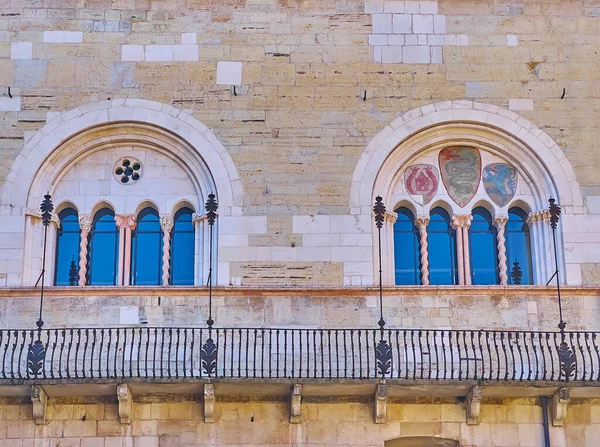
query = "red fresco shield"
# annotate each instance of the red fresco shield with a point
(422, 180)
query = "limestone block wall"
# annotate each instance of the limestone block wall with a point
(447, 309)
(300, 97)
(174, 422)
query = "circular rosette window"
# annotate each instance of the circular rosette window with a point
(127, 170)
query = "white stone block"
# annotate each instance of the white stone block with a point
(512, 40)
(411, 7)
(243, 225)
(233, 240)
(520, 104)
(428, 7)
(421, 39)
(320, 240)
(284, 254)
(396, 39)
(358, 268)
(21, 50)
(593, 204)
(391, 55)
(436, 55)
(159, 53)
(349, 224)
(439, 24)
(462, 40)
(185, 52)
(417, 54)
(449, 39)
(73, 37)
(129, 315)
(377, 54)
(132, 53)
(229, 73)
(310, 224)
(8, 104)
(189, 38)
(314, 254)
(54, 37)
(382, 23)
(411, 39)
(402, 24)
(378, 39)
(393, 6)
(223, 274)
(356, 240)
(435, 40)
(374, 6)
(422, 24)
(351, 254)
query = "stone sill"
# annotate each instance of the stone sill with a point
(253, 291)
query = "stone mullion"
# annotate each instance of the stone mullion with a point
(461, 224)
(422, 223)
(537, 251)
(126, 224)
(199, 222)
(467, 254)
(387, 247)
(85, 223)
(500, 224)
(166, 225)
(459, 252)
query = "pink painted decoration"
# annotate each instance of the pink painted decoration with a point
(422, 180)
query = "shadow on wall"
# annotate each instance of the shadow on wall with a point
(421, 441)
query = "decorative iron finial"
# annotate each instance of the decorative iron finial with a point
(211, 208)
(46, 207)
(516, 273)
(383, 351)
(379, 210)
(73, 273)
(554, 213)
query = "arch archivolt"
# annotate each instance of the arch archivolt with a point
(498, 135)
(72, 158)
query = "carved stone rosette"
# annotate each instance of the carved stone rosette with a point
(166, 224)
(85, 223)
(421, 224)
(500, 224)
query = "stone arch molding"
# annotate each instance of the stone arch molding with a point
(49, 154)
(538, 159)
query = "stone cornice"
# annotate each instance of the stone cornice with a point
(500, 291)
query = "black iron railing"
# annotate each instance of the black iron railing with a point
(416, 354)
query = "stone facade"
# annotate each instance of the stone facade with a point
(297, 115)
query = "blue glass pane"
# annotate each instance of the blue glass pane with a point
(406, 249)
(518, 245)
(146, 249)
(67, 249)
(483, 248)
(442, 248)
(102, 254)
(182, 248)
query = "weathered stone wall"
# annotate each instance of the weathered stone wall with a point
(314, 83)
(446, 308)
(77, 422)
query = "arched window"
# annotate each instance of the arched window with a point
(442, 248)
(66, 270)
(103, 249)
(518, 246)
(482, 248)
(406, 248)
(146, 249)
(182, 249)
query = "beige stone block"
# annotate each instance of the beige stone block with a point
(144, 428)
(113, 428)
(111, 412)
(79, 428)
(520, 414)
(92, 442)
(422, 413)
(278, 74)
(7, 71)
(63, 412)
(94, 74)
(89, 412)
(321, 432)
(142, 411)
(60, 73)
(452, 413)
(20, 429)
(578, 414)
(420, 428)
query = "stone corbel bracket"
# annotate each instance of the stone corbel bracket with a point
(209, 403)
(558, 406)
(39, 399)
(295, 403)
(125, 398)
(473, 403)
(381, 395)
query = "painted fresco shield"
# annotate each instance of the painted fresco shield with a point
(500, 182)
(422, 180)
(461, 173)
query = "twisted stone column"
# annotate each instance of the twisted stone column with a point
(500, 224)
(422, 223)
(166, 224)
(85, 223)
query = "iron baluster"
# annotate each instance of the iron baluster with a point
(597, 351)
(353, 356)
(247, 346)
(337, 355)
(314, 337)
(528, 356)
(285, 337)
(293, 366)
(586, 337)
(520, 356)
(108, 351)
(360, 363)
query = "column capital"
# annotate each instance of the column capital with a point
(85, 222)
(36, 213)
(538, 216)
(166, 222)
(198, 217)
(500, 221)
(461, 221)
(422, 221)
(391, 217)
(126, 221)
